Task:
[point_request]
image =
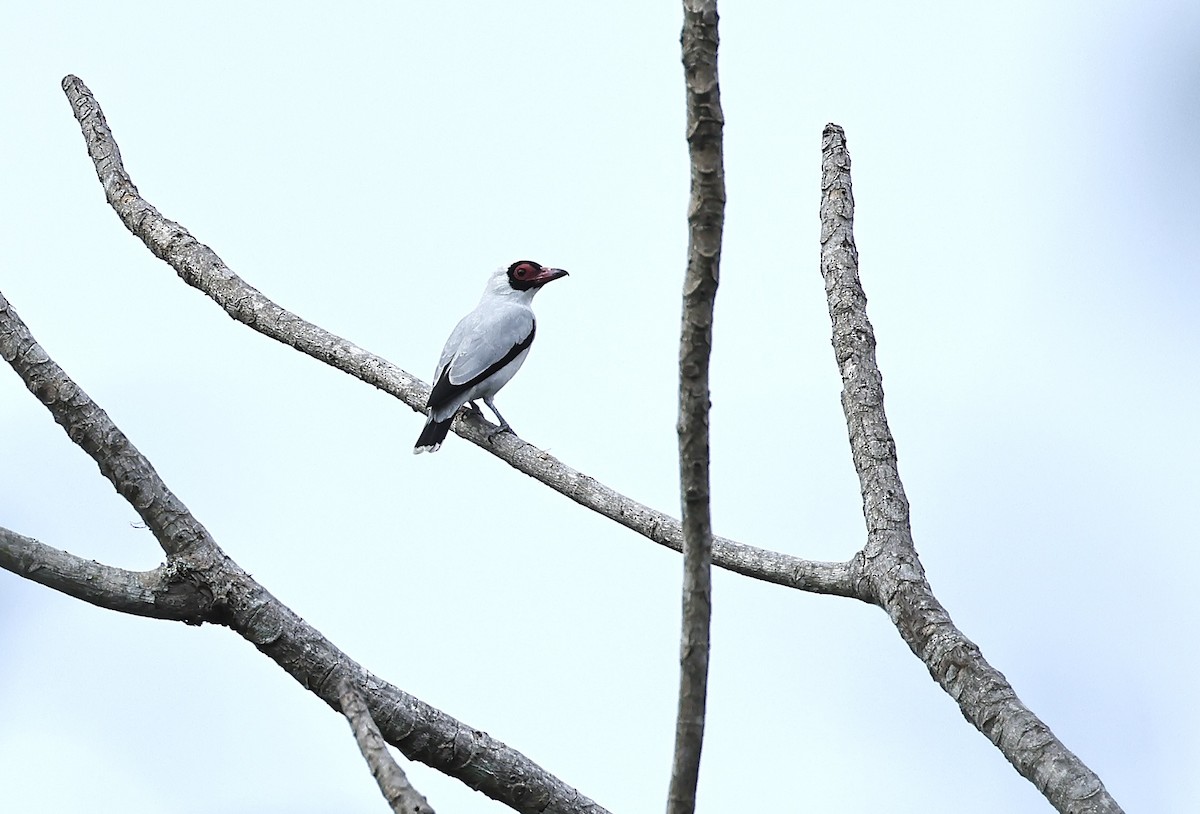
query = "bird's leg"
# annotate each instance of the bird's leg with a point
(504, 425)
(473, 407)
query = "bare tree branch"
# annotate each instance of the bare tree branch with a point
(886, 572)
(893, 573)
(89, 427)
(420, 731)
(159, 594)
(706, 217)
(200, 267)
(393, 782)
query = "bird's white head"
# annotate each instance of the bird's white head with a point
(521, 280)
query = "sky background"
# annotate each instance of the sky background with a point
(1028, 184)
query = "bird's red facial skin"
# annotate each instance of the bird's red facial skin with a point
(526, 274)
(524, 271)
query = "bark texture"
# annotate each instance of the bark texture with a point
(226, 594)
(892, 574)
(158, 594)
(200, 267)
(706, 218)
(200, 583)
(392, 781)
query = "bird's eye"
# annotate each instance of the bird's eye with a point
(523, 271)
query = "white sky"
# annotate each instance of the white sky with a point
(1028, 182)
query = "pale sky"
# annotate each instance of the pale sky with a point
(1028, 183)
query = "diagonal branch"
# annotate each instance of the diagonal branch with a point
(199, 266)
(88, 426)
(706, 217)
(158, 594)
(887, 572)
(420, 731)
(892, 573)
(393, 782)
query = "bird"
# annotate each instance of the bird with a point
(485, 349)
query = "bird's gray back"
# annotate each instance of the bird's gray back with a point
(482, 338)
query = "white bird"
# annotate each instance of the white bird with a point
(485, 349)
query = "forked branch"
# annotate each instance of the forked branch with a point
(392, 781)
(235, 599)
(892, 574)
(158, 594)
(199, 583)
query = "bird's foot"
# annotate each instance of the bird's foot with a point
(502, 428)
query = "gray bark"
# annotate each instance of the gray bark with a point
(392, 781)
(157, 594)
(200, 583)
(227, 595)
(706, 217)
(200, 267)
(892, 574)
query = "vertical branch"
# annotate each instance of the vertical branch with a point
(706, 215)
(872, 447)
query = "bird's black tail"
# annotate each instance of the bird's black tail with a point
(433, 435)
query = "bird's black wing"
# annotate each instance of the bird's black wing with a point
(445, 391)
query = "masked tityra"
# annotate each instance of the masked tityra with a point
(485, 349)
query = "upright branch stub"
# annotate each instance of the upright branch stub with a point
(706, 216)
(891, 575)
(873, 449)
